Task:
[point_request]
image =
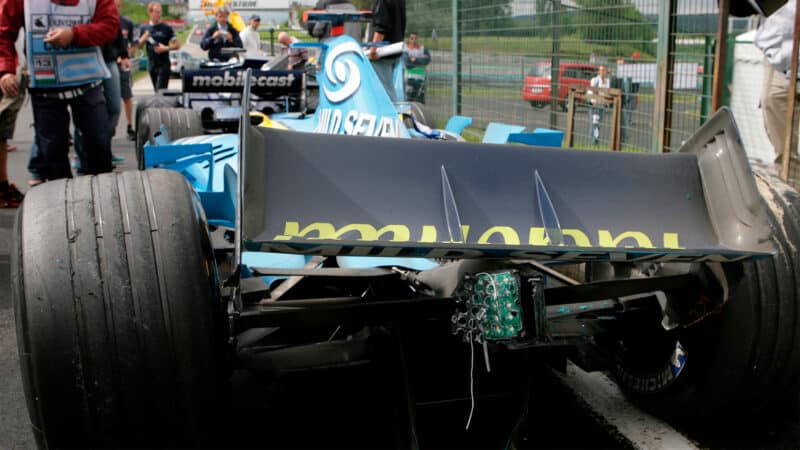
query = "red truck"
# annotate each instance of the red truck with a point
(536, 87)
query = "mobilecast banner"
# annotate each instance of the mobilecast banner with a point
(265, 83)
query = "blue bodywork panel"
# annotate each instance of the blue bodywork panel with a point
(210, 164)
(352, 99)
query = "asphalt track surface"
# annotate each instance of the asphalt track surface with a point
(575, 410)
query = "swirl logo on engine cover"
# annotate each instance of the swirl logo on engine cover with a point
(342, 73)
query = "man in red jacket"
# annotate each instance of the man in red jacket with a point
(63, 39)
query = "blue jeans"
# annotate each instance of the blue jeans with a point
(596, 119)
(37, 171)
(112, 93)
(49, 159)
(627, 119)
(112, 90)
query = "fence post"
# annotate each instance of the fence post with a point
(720, 55)
(456, 44)
(271, 41)
(704, 101)
(555, 62)
(662, 116)
(790, 139)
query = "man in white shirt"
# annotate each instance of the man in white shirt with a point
(601, 81)
(774, 38)
(251, 40)
(297, 56)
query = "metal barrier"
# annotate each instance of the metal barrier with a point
(514, 61)
(599, 100)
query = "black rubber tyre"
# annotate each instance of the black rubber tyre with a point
(142, 105)
(154, 101)
(419, 112)
(118, 313)
(180, 122)
(538, 104)
(740, 361)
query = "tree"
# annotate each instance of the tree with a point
(476, 17)
(484, 17)
(543, 17)
(363, 4)
(608, 21)
(422, 17)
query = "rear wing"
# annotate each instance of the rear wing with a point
(364, 196)
(266, 84)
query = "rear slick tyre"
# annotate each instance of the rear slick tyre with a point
(179, 123)
(142, 105)
(154, 101)
(741, 362)
(118, 313)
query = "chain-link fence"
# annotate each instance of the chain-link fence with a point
(517, 60)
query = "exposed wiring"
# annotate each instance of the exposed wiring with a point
(486, 356)
(473, 329)
(338, 327)
(497, 307)
(471, 380)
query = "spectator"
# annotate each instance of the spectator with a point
(57, 89)
(160, 39)
(251, 40)
(10, 196)
(415, 58)
(388, 25)
(596, 112)
(774, 39)
(415, 54)
(629, 90)
(220, 35)
(297, 56)
(113, 52)
(126, 92)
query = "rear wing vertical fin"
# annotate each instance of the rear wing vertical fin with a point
(244, 141)
(738, 209)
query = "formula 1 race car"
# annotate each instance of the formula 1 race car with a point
(284, 249)
(210, 98)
